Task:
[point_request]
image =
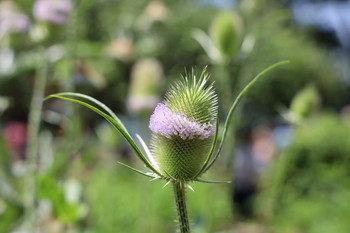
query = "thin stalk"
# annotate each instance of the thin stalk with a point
(180, 202)
(32, 153)
(72, 124)
(227, 91)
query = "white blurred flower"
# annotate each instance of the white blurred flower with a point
(54, 11)
(7, 60)
(72, 191)
(38, 32)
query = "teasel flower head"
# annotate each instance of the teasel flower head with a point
(183, 127)
(184, 134)
(184, 142)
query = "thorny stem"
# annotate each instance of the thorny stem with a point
(180, 202)
(32, 140)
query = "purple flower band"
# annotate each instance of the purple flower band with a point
(168, 123)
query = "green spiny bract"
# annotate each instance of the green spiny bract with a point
(183, 127)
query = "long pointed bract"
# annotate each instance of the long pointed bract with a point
(115, 124)
(93, 100)
(139, 171)
(213, 181)
(147, 152)
(235, 104)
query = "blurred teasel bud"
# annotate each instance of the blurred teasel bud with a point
(304, 102)
(249, 7)
(147, 79)
(183, 127)
(226, 31)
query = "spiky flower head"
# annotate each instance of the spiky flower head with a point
(183, 127)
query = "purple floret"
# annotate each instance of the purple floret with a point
(168, 123)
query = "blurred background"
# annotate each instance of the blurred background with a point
(288, 150)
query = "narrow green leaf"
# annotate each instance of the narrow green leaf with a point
(236, 102)
(115, 124)
(138, 171)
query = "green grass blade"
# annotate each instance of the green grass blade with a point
(115, 124)
(236, 102)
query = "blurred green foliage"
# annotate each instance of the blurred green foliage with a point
(309, 64)
(64, 211)
(121, 201)
(308, 187)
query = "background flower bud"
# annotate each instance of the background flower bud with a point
(226, 32)
(147, 79)
(305, 102)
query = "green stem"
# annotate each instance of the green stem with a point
(32, 140)
(180, 202)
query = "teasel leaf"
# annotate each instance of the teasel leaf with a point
(235, 104)
(110, 117)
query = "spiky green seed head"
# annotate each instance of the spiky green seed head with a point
(183, 127)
